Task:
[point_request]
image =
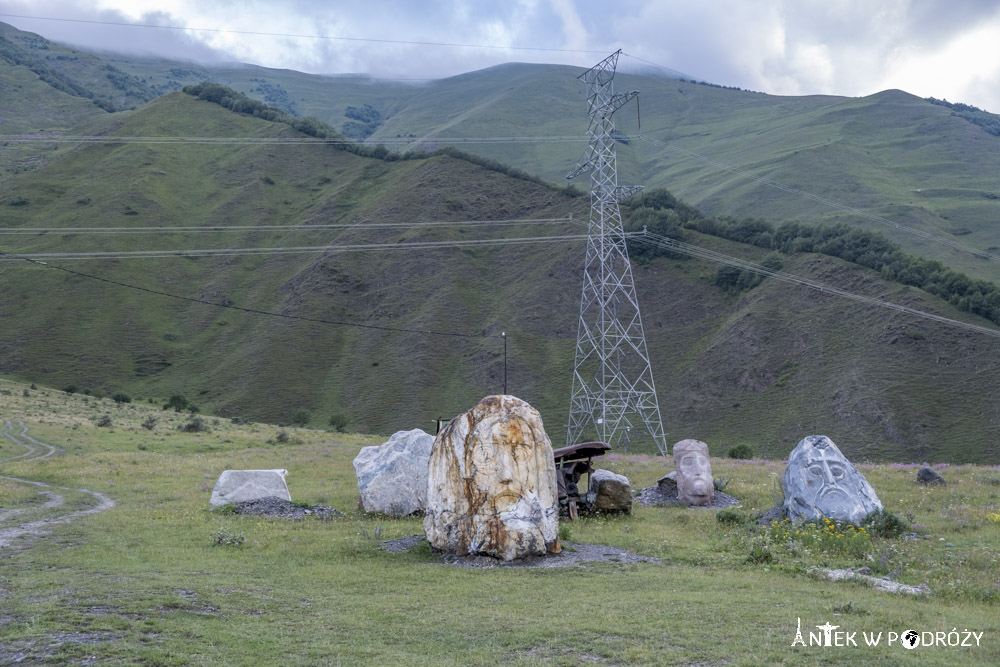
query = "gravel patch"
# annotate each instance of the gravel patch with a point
(653, 496)
(273, 506)
(571, 554)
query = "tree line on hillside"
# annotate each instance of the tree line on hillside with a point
(240, 103)
(126, 83)
(984, 119)
(662, 213)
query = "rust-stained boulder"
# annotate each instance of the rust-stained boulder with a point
(491, 484)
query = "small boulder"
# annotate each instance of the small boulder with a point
(821, 483)
(614, 492)
(392, 477)
(238, 486)
(491, 485)
(667, 485)
(928, 476)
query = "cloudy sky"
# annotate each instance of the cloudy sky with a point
(942, 48)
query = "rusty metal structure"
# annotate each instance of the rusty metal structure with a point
(572, 463)
(613, 387)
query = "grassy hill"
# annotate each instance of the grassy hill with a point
(764, 366)
(918, 165)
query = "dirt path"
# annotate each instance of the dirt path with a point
(35, 449)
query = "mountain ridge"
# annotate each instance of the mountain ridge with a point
(764, 365)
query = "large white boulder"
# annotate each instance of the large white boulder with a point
(392, 477)
(237, 486)
(491, 486)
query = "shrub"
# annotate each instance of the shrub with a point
(121, 398)
(887, 524)
(301, 417)
(150, 423)
(282, 437)
(732, 517)
(104, 421)
(177, 402)
(224, 538)
(743, 451)
(70, 389)
(338, 422)
(760, 552)
(196, 425)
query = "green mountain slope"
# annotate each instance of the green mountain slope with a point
(891, 155)
(764, 366)
(918, 165)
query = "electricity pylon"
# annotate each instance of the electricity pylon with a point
(612, 377)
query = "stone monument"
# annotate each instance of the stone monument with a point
(491, 484)
(820, 483)
(694, 473)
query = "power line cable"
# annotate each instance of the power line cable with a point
(714, 256)
(26, 231)
(286, 250)
(270, 141)
(298, 36)
(254, 311)
(823, 200)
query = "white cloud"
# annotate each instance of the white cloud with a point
(845, 47)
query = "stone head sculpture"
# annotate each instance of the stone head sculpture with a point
(694, 473)
(492, 483)
(821, 483)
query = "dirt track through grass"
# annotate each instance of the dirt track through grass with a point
(35, 449)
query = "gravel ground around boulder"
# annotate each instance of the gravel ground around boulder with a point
(653, 497)
(283, 509)
(572, 554)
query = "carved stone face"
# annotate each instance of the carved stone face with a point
(694, 473)
(821, 483)
(492, 484)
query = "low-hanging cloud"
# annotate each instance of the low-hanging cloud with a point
(788, 47)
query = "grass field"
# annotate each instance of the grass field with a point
(147, 583)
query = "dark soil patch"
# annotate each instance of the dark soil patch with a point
(273, 506)
(571, 554)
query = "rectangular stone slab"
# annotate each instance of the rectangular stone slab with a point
(237, 486)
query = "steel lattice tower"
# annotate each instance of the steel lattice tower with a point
(612, 377)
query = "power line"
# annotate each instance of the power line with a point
(826, 202)
(255, 311)
(286, 250)
(298, 36)
(270, 141)
(25, 231)
(713, 256)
